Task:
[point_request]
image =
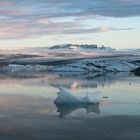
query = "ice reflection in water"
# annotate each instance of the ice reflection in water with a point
(67, 109)
(122, 89)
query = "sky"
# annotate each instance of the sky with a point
(42, 23)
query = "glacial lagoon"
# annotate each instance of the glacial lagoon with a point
(27, 109)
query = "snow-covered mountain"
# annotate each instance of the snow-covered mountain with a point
(83, 47)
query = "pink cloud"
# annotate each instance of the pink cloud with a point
(5, 3)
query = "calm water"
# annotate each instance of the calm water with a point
(27, 108)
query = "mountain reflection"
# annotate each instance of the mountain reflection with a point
(67, 109)
(72, 80)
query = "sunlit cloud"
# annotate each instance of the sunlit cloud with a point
(4, 3)
(25, 29)
(36, 18)
(33, 18)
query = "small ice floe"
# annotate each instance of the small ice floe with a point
(66, 97)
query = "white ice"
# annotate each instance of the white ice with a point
(66, 97)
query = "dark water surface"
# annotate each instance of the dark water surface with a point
(27, 109)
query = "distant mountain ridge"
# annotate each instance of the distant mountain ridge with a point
(59, 48)
(79, 47)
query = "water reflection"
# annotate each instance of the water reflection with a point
(118, 87)
(72, 80)
(27, 110)
(67, 109)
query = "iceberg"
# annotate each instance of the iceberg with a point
(64, 96)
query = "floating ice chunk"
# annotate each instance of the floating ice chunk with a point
(66, 97)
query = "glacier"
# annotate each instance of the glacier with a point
(102, 65)
(63, 58)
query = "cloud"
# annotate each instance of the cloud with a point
(35, 28)
(23, 30)
(63, 8)
(34, 18)
(4, 3)
(95, 30)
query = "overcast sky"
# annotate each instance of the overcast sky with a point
(37, 23)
